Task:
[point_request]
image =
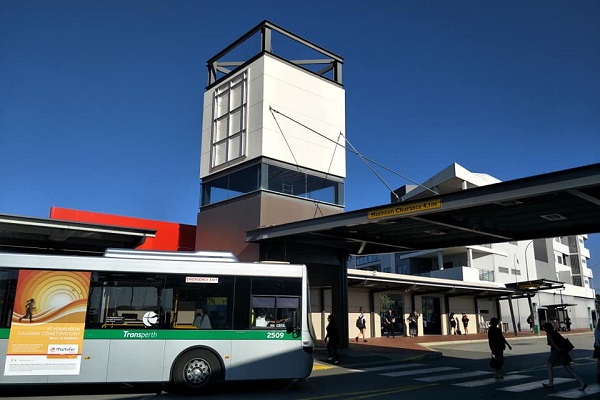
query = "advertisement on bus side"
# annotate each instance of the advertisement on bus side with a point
(48, 322)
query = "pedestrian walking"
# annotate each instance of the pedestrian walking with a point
(497, 344)
(597, 350)
(465, 322)
(361, 324)
(559, 355)
(332, 338)
(530, 321)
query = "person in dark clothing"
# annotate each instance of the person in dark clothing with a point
(412, 319)
(497, 344)
(390, 320)
(530, 321)
(558, 356)
(596, 354)
(29, 307)
(332, 339)
(465, 322)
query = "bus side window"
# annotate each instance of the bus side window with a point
(8, 288)
(263, 311)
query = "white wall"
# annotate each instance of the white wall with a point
(312, 101)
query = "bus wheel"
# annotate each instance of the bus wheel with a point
(195, 369)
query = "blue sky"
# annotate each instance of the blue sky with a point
(101, 101)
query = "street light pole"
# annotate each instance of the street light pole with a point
(526, 267)
(531, 311)
(515, 261)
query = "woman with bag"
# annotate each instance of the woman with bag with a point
(597, 350)
(412, 323)
(497, 344)
(361, 324)
(559, 355)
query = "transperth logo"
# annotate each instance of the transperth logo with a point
(150, 318)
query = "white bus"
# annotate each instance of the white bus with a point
(188, 320)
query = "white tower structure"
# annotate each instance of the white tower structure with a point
(271, 133)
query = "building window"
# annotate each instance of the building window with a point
(265, 176)
(515, 271)
(235, 184)
(229, 121)
(367, 259)
(504, 270)
(302, 184)
(485, 275)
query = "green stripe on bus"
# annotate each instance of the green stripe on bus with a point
(183, 334)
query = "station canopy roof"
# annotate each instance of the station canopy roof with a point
(384, 282)
(50, 235)
(562, 306)
(555, 204)
(530, 288)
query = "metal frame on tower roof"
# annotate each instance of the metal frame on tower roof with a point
(331, 62)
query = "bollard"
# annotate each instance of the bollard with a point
(536, 329)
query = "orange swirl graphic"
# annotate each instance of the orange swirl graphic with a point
(59, 296)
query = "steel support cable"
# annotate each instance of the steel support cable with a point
(371, 168)
(285, 139)
(353, 150)
(316, 203)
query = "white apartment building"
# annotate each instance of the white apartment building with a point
(563, 259)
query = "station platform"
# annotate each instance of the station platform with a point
(404, 349)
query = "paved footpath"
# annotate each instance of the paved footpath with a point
(404, 349)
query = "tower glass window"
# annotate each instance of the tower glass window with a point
(274, 178)
(229, 121)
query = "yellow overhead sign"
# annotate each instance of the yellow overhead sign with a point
(401, 209)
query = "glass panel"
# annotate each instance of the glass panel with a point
(238, 183)
(116, 301)
(220, 153)
(263, 302)
(263, 311)
(235, 122)
(244, 181)
(235, 147)
(220, 129)
(222, 104)
(321, 189)
(277, 286)
(8, 285)
(202, 305)
(285, 181)
(236, 96)
(288, 302)
(217, 194)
